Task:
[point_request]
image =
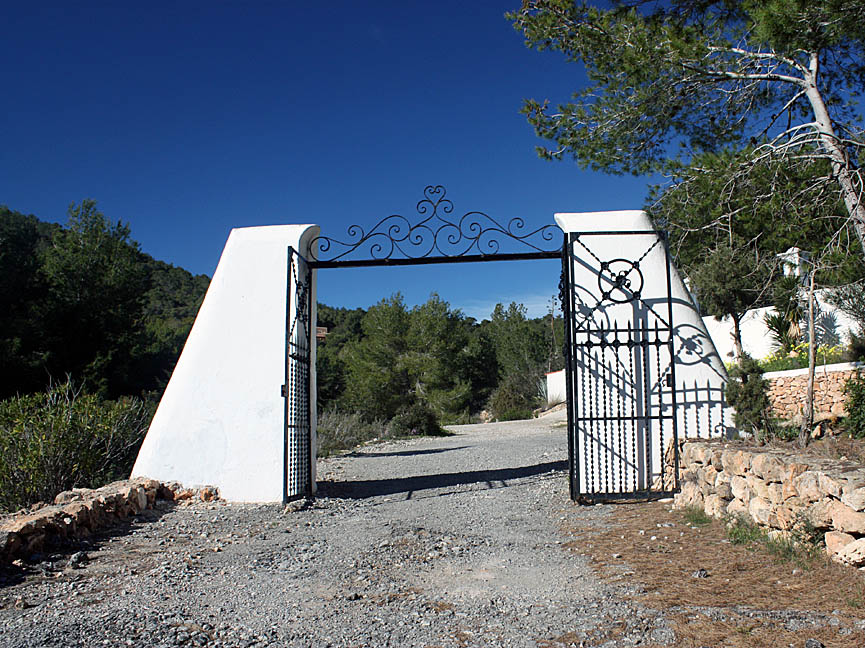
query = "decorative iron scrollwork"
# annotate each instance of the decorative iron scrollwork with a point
(436, 235)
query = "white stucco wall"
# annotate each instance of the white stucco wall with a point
(700, 373)
(221, 419)
(756, 339)
(556, 388)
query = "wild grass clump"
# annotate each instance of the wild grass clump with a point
(800, 545)
(338, 430)
(696, 516)
(62, 439)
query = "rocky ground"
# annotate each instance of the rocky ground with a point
(461, 541)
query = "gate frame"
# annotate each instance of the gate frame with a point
(298, 415)
(566, 296)
(438, 239)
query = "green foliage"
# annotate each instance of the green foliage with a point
(85, 301)
(799, 546)
(742, 531)
(783, 336)
(416, 419)
(748, 393)
(339, 431)
(343, 327)
(670, 78)
(696, 516)
(729, 281)
(519, 344)
(403, 356)
(514, 398)
(781, 360)
(854, 390)
(63, 439)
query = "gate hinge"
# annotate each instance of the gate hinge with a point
(282, 391)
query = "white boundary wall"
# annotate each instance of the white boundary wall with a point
(221, 419)
(756, 339)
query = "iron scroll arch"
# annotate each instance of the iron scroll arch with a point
(438, 237)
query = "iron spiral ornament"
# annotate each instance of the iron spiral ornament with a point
(437, 234)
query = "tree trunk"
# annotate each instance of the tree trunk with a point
(841, 165)
(737, 338)
(808, 419)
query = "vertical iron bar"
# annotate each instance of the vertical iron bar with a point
(647, 397)
(566, 297)
(307, 446)
(661, 415)
(621, 423)
(286, 388)
(633, 397)
(673, 403)
(593, 408)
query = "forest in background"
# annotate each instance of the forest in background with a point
(84, 301)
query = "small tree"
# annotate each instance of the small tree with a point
(729, 282)
(748, 393)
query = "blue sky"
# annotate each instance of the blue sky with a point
(187, 119)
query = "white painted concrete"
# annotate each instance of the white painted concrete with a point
(700, 373)
(556, 388)
(820, 369)
(221, 419)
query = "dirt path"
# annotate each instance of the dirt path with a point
(454, 541)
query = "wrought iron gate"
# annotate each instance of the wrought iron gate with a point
(620, 374)
(297, 388)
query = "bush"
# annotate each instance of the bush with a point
(344, 431)
(854, 389)
(416, 419)
(782, 360)
(748, 393)
(514, 398)
(63, 439)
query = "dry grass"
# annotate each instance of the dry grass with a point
(836, 447)
(741, 578)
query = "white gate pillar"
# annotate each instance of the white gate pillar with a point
(221, 419)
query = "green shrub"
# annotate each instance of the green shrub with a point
(854, 389)
(748, 393)
(742, 531)
(345, 430)
(782, 360)
(416, 419)
(514, 398)
(696, 516)
(63, 439)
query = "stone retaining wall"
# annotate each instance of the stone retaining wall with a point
(778, 490)
(82, 511)
(787, 390)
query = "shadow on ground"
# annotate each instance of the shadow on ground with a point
(404, 453)
(498, 478)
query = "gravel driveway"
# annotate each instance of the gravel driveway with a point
(453, 541)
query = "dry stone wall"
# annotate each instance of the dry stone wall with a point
(82, 511)
(788, 389)
(778, 490)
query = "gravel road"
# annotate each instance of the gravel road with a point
(453, 541)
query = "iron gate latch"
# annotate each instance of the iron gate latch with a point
(283, 391)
